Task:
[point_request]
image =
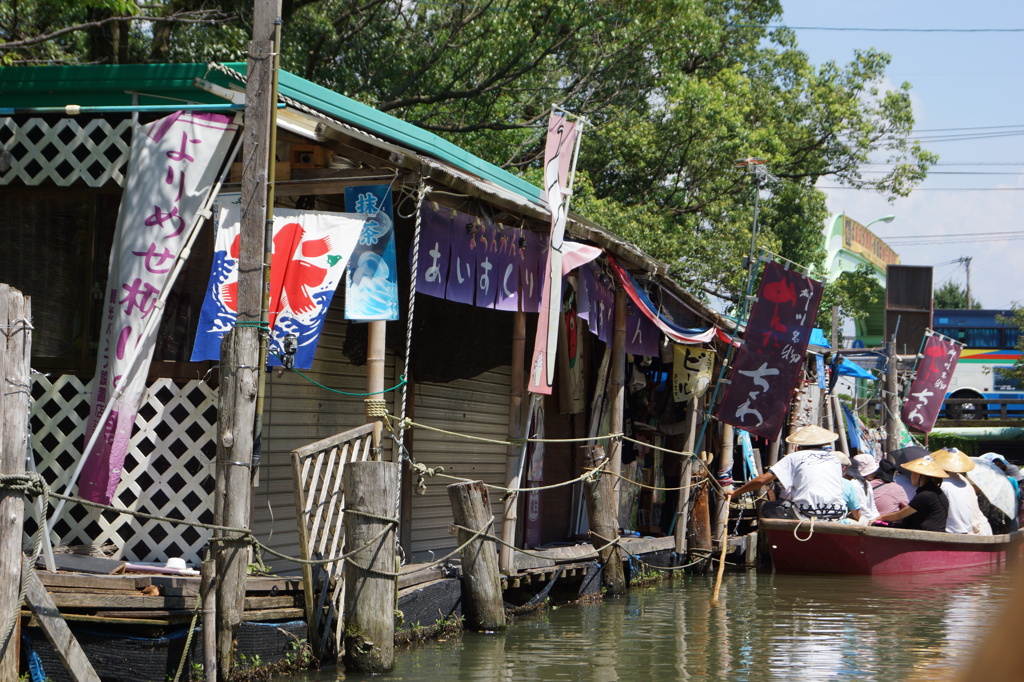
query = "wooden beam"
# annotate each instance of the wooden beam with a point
(56, 630)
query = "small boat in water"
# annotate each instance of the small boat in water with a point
(800, 547)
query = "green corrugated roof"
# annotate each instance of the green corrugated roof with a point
(47, 86)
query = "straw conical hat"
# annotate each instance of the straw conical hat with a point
(926, 466)
(811, 435)
(953, 460)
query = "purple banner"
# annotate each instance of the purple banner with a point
(768, 364)
(507, 262)
(432, 268)
(642, 336)
(758, 394)
(461, 277)
(934, 371)
(486, 273)
(534, 259)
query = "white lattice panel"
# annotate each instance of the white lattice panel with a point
(94, 151)
(168, 470)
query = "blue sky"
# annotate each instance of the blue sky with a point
(959, 80)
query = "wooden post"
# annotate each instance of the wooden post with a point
(617, 399)
(604, 526)
(683, 503)
(240, 357)
(773, 452)
(892, 403)
(481, 583)
(371, 492)
(207, 588)
(15, 402)
(375, 351)
(510, 514)
(236, 407)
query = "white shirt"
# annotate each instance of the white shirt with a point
(963, 505)
(812, 478)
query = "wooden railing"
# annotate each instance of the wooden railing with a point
(319, 502)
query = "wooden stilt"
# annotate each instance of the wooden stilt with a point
(683, 504)
(371, 494)
(234, 456)
(604, 525)
(207, 588)
(15, 402)
(481, 582)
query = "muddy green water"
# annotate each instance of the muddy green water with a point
(765, 627)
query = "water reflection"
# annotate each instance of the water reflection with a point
(765, 627)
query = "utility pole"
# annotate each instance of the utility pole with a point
(241, 361)
(967, 265)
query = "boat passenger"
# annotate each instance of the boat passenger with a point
(811, 478)
(902, 478)
(889, 495)
(1007, 469)
(964, 513)
(929, 507)
(853, 501)
(856, 475)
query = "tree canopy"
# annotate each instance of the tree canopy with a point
(952, 295)
(675, 94)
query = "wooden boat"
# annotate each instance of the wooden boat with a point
(797, 547)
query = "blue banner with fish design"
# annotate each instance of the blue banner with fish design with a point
(371, 289)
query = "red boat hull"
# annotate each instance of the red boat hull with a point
(870, 550)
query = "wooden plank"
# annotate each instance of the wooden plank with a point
(86, 600)
(272, 614)
(407, 578)
(184, 617)
(56, 630)
(87, 564)
(89, 581)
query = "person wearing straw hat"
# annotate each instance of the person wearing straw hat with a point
(811, 478)
(964, 513)
(929, 507)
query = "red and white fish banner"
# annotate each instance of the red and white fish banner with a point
(173, 167)
(934, 370)
(767, 365)
(310, 252)
(558, 157)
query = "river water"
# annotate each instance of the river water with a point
(764, 627)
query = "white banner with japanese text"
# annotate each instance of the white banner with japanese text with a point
(174, 165)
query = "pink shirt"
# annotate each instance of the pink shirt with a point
(889, 497)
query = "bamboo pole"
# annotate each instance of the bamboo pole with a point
(892, 402)
(375, 352)
(481, 583)
(840, 421)
(15, 403)
(510, 514)
(617, 399)
(683, 502)
(370, 494)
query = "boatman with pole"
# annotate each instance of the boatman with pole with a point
(811, 478)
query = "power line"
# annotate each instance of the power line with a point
(895, 30)
(1019, 233)
(943, 189)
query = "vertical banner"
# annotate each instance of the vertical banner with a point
(558, 158)
(174, 164)
(928, 390)
(435, 229)
(371, 290)
(691, 372)
(310, 251)
(767, 365)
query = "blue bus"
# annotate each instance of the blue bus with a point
(990, 347)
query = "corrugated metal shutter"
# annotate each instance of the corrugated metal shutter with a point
(478, 407)
(297, 413)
